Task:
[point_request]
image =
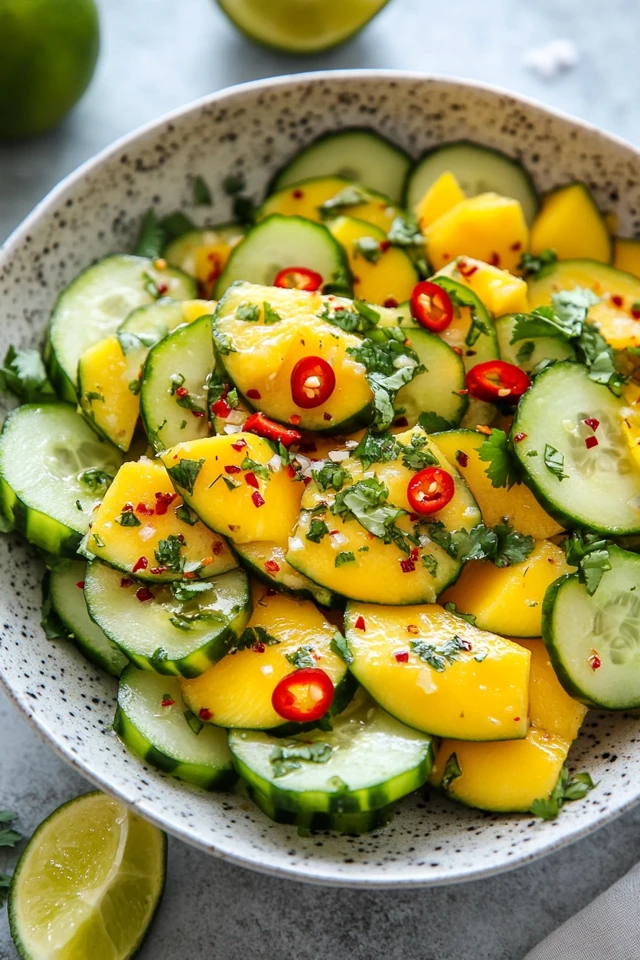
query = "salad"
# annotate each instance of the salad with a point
(346, 493)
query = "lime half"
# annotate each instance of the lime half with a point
(301, 26)
(88, 883)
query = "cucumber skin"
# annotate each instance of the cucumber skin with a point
(50, 535)
(548, 605)
(342, 823)
(333, 601)
(11, 911)
(197, 774)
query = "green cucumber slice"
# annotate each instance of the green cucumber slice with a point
(440, 388)
(371, 760)
(158, 632)
(64, 599)
(478, 169)
(472, 330)
(341, 823)
(184, 359)
(154, 321)
(601, 490)
(527, 354)
(594, 642)
(267, 562)
(94, 305)
(150, 720)
(181, 252)
(360, 155)
(278, 242)
(44, 451)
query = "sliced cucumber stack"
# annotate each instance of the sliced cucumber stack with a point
(583, 475)
(53, 472)
(360, 155)
(64, 599)
(366, 762)
(593, 641)
(94, 305)
(173, 396)
(180, 629)
(477, 169)
(527, 354)
(152, 721)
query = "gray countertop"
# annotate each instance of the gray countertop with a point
(157, 55)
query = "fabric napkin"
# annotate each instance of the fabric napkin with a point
(607, 929)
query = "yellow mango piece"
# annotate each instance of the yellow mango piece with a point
(570, 223)
(499, 290)
(508, 600)
(626, 255)
(631, 418)
(105, 375)
(517, 504)
(509, 777)
(145, 484)
(237, 690)
(261, 509)
(305, 199)
(470, 684)
(487, 227)
(443, 195)
(210, 261)
(389, 274)
(265, 356)
(194, 309)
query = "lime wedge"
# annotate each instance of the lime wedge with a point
(301, 26)
(88, 883)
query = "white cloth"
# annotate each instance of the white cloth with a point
(607, 929)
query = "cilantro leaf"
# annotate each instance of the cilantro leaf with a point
(128, 519)
(201, 193)
(359, 318)
(589, 552)
(389, 365)
(167, 553)
(331, 476)
(566, 789)
(405, 232)
(302, 657)
(376, 448)
(254, 466)
(187, 516)
(501, 544)
(222, 342)
(451, 772)
(532, 265)
(525, 352)
(340, 647)
(95, 479)
(185, 473)
(511, 546)
(350, 196)
(367, 247)
(438, 657)
(317, 530)
(150, 237)
(430, 562)
(23, 374)
(249, 312)
(269, 315)
(186, 590)
(345, 556)
(252, 635)
(175, 225)
(433, 423)
(452, 608)
(554, 462)
(416, 457)
(497, 451)
(365, 501)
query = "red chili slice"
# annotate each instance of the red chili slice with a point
(304, 695)
(431, 306)
(258, 423)
(496, 380)
(298, 278)
(430, 490)
(312, 382)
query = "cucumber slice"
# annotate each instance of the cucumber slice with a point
(477, 169)
(367, 761)
(527, 354)
(155, 320)
(267, 561)
(150, 720)
(183, 251)
(278, 242)
(593, 641)
(359, 155)
(471, 330)
(353, 824)
(440, 388)
(64, 597)
(184, 360)
(158, 632)
(44, 452)
(601, 489)
(94, 305)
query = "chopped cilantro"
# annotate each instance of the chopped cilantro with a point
(286, 759)
(350, 196)
(360, 318)
(377, 448)
(23, 374)
(135, 386)
(252, 635)
(128, 519)
(340, 647)
(95, 479)
(451, 608)
(433, 423)
(589, 552)
(345, 556)
(500, 544)
(185, 473)
(389, 365)
(554, 462)
(366, 502)
(8, 836)
(416, 457)
(193, 721)
(431, 563)
(222, 342)
(98, 539)
(254, 466)
(331, 476)
(525, 352)
(439, 656)
(185, 590)
(567, 788)
(497, 451)
(405, 232)
(367, 247)
(167, 553)
(201, 193)
(150, 237)
(451, 772)
(92, 395)
(269, 315)
(317, 530)
(186, 621)
(302, 657)
(532, 265)
(176, 225)
(250, 312)
(187, 516)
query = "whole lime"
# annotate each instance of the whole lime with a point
(48, 52)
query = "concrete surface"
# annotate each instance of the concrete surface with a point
(157, 55)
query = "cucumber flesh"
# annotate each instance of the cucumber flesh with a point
(65, 597)
(44, 451)
(155, 320)
(372, 760)
(602, 488)
(94, 305)
(478, 169)
(472, 330)
(438, 389)
(185, 358)
(278, 242)
(158, 632)
(150, 720)
(527, 354)
(594, 642)
(360, 155)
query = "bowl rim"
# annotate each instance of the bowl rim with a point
(17, 236)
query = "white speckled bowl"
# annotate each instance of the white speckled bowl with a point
(95, 211)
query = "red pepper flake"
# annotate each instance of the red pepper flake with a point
(258, 647)
(402, 656)
(407, 566)
(466, 269)
(519, 437)
(128, 508)
(461, 393)
(516, 246)
(457, 350)
(295, 419)
(516, 719)
(251, 480)
(297, 194)
(413, 517)
(617, 300)
(162, 288)
(635, 311)
(231, 468)
(156, 571)
(495, 260)
(592, 422)
(415, 554)
(205, 714)
(221, 409)
(163, 502)
(327, 416)
(141, 564)
(125, 582)
(216, 547)
(145, 509)
(182, 392)
(594, 660)
(143, 594)
(291, 473)
(462, 458)
(384, 245)
(307, 481)
(465, 644)
(239, 445)
(480, 427)
(80, 584)
(258, 499)
(401, 422)
(167, 702)
(271, 566)
(412, 628)
(360, 624)
(591, 442)
(197, 413)
(390, 302)
(253, 394)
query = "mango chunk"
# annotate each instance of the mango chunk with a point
(487, 227)
(499, 290)
(306, 199)
(109, 386)
(570, 223)
(626, 255)
(443, 195)
(379, 274)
